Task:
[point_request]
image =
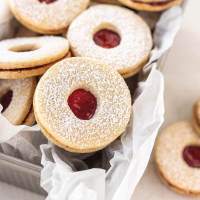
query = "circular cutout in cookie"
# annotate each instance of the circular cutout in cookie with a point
(107, 38)
(191, 155)
(82, 103)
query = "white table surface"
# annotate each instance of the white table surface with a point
(182, 72)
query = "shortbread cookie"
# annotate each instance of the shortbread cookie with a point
(82, 105)
(177, 155)
(196, 116)
(27, 72)
(47, 16)
(16, 97)
(20, 53)
(112, 34)
(151, 5)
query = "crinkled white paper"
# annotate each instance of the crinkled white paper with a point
(124, 161)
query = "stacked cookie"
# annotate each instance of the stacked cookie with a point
(81, 104)
(177, 155)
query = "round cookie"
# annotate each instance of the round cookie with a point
(112, 34)
(27, 72)
(151, 5)
(47, 16)
(82, 105)
(16, 97)
(177, 156)
(196, 117)
(30, 52)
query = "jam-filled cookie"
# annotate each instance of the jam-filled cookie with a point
(112, 34)
(30, 56)
(150, 5)
(82, 105)
(16, 97)
(196, 117)
(177, 156)
(47, 16)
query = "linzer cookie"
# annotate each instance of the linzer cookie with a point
(82, 105)
(112, 34)
(196, 117)
(31, 56)
(177, 155)
(150, 5)
(16, 97)
(47, 16)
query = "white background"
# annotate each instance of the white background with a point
(181, 73)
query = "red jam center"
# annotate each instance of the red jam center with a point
(107, 38)
(6, 99)
(82, 103)
(191, 155)
(47, 1)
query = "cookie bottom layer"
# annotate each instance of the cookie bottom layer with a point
(154, 7)
(30, 118)
(176, 188)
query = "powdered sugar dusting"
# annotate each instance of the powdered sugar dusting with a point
(113, 103)
(136, 41)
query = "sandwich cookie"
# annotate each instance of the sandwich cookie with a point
(177, 155)
(150, 5)
(82, 105)
(196, 117)
(31, 56)
(47, 16)
(16, 97)
(115, 35)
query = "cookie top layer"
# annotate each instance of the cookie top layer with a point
(44, 17)
(135, 37)
(31, 51)
(169, 157)
(58, 121)
(16, 97)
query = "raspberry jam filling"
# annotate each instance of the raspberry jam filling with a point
(82, 103)
(191, 155)
(107, 38)
(6, 99)
(47, 1)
